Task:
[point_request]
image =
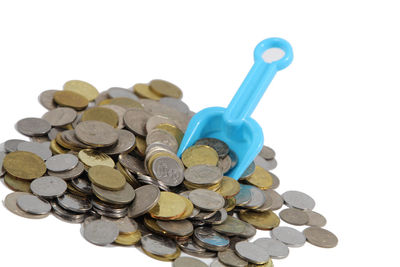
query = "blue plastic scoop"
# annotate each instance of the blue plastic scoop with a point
(233, 124)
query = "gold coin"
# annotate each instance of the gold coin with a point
(165, 88)
(171, 257)
(173, 130)
(56, 149)
(143, 90)
(17, 184)
(128, 239)
(70, 99)
(83, 88)
(230, 204)
(106, 177)
(268, 264)
(101, 114)
(192, 186)
(200, 155)
(123, 102)
(260, 178)
(266, 220)
(152, 225)
(229, 187)
(170, 206)
(61, 142)
(188, 210)
(91, 158)
(128, 176)
(24, 165)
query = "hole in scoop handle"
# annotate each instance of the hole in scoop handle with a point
(259, 77)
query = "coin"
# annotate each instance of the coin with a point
(261, 220)
(186, 261)
(171, 257)
(102, 114)
(146, 197)
(260, 178)
(92, 158)
(217, 263)
(210, 239)
(123, 196)
(10, 203)
(218, 218)
(251, 252)
(46, 99)
(132, 163)
(60, 116)
(294, 216)
(158, 245)
(275, 181)
(24, 165)
(230, 258)
(74, 203)
(116, 92)
(298, 200)
(66, 215)
(83, 88)
(203, 175)
(230, 204)
(143, 90)
(275, 248)
(17, 184)
(33, 126)
(126, 142)
(175, 103)
(225, 164)
(42, 150)
(96, 133)
(206, 200)
(244, 195)
(12, 145)
(267, 204)
(229, 187)
(320, 237)
(62, 163)
(106, 177)
(177, 228)
(136, 119)
(48, 186)
(315, 219)
(163, 137)
(120, 111)
(100, 232)
(288, 236)
(190, 247)
(154, 121)
(82, 185)
(165, 88)
(71, 174)
(124, 102)
(173, 130)
(32, 204)
(218, 145)
(267, 153)
(277, 200)
(71, 99)
(200, 155)
(231, 226)
(248, 232)
(168, 170)
(257, 198)
(125, 225)
(170, 206)
(128, 239)
(249, 171)
(265, 164)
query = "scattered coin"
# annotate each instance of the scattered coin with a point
(92, 158)
(200, 155)
(251, 252)
(106, 177)
(102, 114)
(96, 133)
(190, 247)
(125, 225)
(177, 228)
(206, 200)
(288, 236)
(83, 88)
(143, 90)
(42, 150)
(175, 103)
(170, 206)
(48, 186)
(24, 165)
(116, 92)
(210, 239)
(33, 126)
(146, 198)
(60, 116)
(277, 200)
(126, 142)
(120, 197)
(62, 163)
(17, 184)
(186, 261)
(315, 219)
(218, 145)
(71, 174)
(12, 145)
(230, 258)
(294, 216)
(158, 245)
(100, 232)
(320, 237)
(298, 200)
(231, 226)
(70, 99)
(74, 203)
(257, 198)
(168, 170)
(203, 175)
(10, 203)
(32, 204)
(229, 187)
(46, 99)
(265, 164)
(275, 248)
(244, 195)
(267, 153)
(260, 178)
(136, 119)
(163, 137)
(165, 88)
(261, 220)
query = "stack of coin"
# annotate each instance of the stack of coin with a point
(108, 161)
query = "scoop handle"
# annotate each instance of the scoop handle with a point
(258, 79)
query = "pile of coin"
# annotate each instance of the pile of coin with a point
(108, 161)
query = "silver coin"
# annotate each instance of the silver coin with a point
(294, 216)
(190, 247)
(146, 198)
(203, 215)
(267, 153)
(187, 261)
(52, 134)
(265, 164)
(154, 121)
(288, 236)
(62, 162)
(47, 100)
(32, 204)
(116, 209)
(40, 149)
(2, 156)
(320, 237)
(249, 171)
(277, 200)
(217, 263)
(132, 163)
(206, 199)
(111, 214)
(121, 197)
(83, 185)
(125, 225)
(66, 215)
(175, 103)
(136, 119)
(71, 174)
(168, 170)
(203, 175)
(10, 202)
(157, 146)
(257, 198)
(163, 137)
(100, 232)
(210, 239)
(70, 137)
(219, 146)
(157, 108)
(268, 202)
(251, 252)
(275, 248)
(77, 120)
(12, 145)
(144, 179)
(232, 226)
(248, 232)
(116, 92)
(96, 133)
(225, 164)
(298, 200)
(176, 228)
(120, 112)
(60, 116)
(158, 245)
(126, 142)
(33, 126)
(275, 181)
(48, 186)
(315, 219)
(244, 195)
(230, 258)
(218, 218)
(74, 203)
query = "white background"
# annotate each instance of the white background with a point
(332, 116)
